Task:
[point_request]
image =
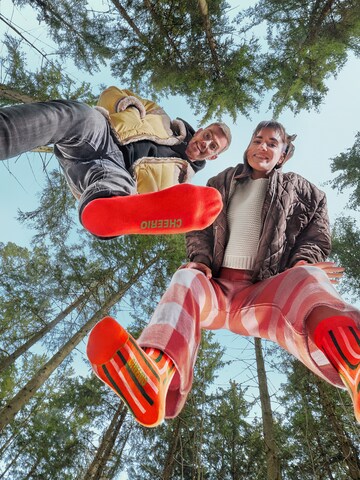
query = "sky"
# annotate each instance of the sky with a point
(321, 136)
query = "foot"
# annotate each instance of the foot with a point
(339, 339)
(140, 379)
(178, 209)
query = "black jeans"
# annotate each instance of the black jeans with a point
(84, 145)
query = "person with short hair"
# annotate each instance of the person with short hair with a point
(124, 146)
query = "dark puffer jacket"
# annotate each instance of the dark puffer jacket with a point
(295, 225)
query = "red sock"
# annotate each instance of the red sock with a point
(176, 209)
(140, 378)
(339, 339)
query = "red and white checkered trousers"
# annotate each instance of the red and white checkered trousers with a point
(275, 309)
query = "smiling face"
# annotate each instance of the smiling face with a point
(265, 152)
(206, 143)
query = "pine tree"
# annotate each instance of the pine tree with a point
(234, 448)
(347, 166)
(219, 64)
(320, 426)
(308, 42)
(103, 453)
(22, 85)
(174, 450)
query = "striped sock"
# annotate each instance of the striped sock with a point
(140, 378)
(339, 339)
(163, 362)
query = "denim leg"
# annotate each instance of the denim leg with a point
(91, 160)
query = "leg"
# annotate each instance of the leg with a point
(94, 167)
(301, 311)
(71, 124)
(92, 162)
(173, 330)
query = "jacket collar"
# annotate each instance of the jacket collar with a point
(244, 171)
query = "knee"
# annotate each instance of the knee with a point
(185, 276)
(81, 113)
(310, 272)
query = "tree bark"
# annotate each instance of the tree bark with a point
(271, 450)
(28, 391)
(9, 360)
(204, 10)
(348, 450)
(318, 19)
(130, 22)
(106, 446)
(15, 95)
(163, 30)
(170, 457)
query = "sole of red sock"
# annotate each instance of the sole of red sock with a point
(178, 209)
(122, 365)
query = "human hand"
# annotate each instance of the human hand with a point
(198, 266)
(333, 271)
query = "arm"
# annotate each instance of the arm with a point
(198, 266)
(313, 245)
(333, 271)
(200, 244)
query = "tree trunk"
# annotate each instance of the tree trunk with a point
(9, 360)
(13, 462)
(28, 391)
(204, 10)
(170, 457)
(164, 32)
(348, 450)
(15, 95)
(317, 19)
(106, 446)
(114, 470)
(271, 451)
(123, 13)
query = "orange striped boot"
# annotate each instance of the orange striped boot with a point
(339, 339)
(139, 377)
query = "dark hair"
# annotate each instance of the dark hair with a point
(285, 137)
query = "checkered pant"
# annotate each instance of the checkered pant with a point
(275, 309)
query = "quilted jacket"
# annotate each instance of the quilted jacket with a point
(295, 225)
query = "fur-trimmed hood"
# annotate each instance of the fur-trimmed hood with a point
(133, 118)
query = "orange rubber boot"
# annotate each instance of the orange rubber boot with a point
(140, 379)
(339, 339)
(178, 209)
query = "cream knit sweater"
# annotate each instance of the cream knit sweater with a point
(244, 219)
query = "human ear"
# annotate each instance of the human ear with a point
(281, 161)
